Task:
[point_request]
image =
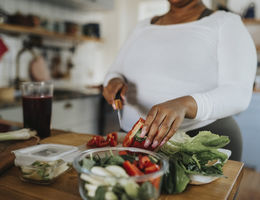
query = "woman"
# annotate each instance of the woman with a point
(190, 69)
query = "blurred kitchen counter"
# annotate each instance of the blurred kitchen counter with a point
(60, 93)
(74, 109)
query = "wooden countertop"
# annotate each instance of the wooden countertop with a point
(66, 186)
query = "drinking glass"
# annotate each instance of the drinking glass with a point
(37, 106)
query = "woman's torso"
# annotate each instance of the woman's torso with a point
(167, 62)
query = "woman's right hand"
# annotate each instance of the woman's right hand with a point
(110, 91)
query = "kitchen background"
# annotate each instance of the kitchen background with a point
(90, 34)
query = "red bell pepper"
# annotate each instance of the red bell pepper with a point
(156, 182)
(122, 153)
(144, 161)
(129, 138)
(131, 169)
(151, 168)
(95, 141)
(112, 139)
(99, 141)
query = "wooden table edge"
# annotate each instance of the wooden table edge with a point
(235, 186)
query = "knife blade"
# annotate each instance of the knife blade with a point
(119, 106)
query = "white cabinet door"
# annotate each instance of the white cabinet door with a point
(79, 115)
(12, 114)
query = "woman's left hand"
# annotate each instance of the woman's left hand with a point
(164, 119)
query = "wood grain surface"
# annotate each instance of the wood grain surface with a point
(66, 186)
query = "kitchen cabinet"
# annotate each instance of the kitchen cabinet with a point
(77, 115)
(248, 122)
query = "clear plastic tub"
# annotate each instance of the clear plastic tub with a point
(42, 164)
(145, 187)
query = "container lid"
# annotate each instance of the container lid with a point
(44, 152)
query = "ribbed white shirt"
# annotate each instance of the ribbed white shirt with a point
(212, 59)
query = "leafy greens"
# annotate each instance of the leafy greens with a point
(192, 155)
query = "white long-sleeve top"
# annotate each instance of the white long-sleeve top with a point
(212, 59)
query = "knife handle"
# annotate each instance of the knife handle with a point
(118, 101)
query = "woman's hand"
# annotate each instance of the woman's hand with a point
(164, 119)
(110, 91)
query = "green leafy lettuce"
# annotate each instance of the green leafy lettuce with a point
(192, 155)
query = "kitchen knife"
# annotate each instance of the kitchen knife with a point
(119, 106)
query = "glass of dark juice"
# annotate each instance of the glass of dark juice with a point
(37, 107)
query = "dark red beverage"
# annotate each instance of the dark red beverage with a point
(37, 114)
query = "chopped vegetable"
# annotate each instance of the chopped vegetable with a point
(115, 182)
(99, 141)
(23, 134)
(151, 168)
(147, 191)
(144, 161)
(44, 171)
(100, 171)
(110, 196)
(131, 187)
(131, 169)
(117, 171)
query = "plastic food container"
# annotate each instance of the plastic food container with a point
(42, 164)
(143, 187)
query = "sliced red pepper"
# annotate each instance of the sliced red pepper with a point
(151, 168)
(135, 163)
(94, 141)
(138, 144)
(131, 169)
(112, 139)
(122, 153)
(129, 138)
(156, 182)
(144, 161)
(113, 143)
(102, 143)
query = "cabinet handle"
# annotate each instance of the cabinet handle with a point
(68, 105)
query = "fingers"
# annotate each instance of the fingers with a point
(153, 130)
(123, 92)
(176, 124)
(111, 90)
(163, 131)
(149, 120)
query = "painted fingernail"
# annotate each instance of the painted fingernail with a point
(114, 106)
(147, 143)
(143, 132)
(162, 143)
(155, 144)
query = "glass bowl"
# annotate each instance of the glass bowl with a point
(96, 186)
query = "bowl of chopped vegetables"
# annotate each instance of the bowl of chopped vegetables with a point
(116, 173)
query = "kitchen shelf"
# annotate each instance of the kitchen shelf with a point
(16, 29)
(251, 21)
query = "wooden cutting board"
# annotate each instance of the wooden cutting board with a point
(74, 139)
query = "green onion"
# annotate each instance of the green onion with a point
(23, 134)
